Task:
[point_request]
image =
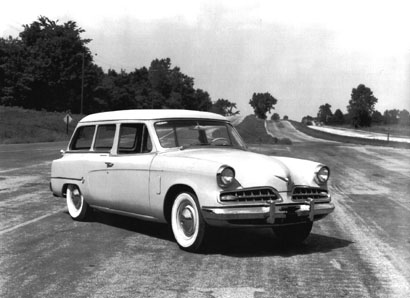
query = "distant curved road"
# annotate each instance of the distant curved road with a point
(284, 129)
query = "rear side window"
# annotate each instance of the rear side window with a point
(83, 138)
(104, 138)
(134, 138)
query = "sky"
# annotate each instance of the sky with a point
(304, 53)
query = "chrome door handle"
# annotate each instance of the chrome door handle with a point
(109, 164)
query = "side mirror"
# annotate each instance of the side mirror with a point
(62, 152)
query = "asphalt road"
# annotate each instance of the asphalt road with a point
(360, 250)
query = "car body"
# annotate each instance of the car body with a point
(190, 169)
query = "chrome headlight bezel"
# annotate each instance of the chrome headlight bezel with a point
(225, 176)
(322, 174)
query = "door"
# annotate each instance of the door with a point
(97, 180)
(128, 171)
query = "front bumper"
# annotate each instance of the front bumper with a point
(266, 214)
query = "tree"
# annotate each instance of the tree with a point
(307, 120)
(262, 103)
(391, 116)
(170, 88)
(285, 117)
(361, 106)
(377, 117)
(275, 117)
(14, 81)
(338, 117)
(45, 66)
(224, 107)
(159, 86)
(325, 114)
(404, 117)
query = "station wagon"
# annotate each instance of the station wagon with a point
(189, 169)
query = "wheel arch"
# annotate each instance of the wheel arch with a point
(65, 186)
(171, 196)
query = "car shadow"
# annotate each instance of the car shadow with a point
(262, 242)
(152, 229)
(238, 242)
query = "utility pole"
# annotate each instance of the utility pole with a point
(82, 85)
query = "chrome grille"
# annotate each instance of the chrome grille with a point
(250, 195)
(302, 193)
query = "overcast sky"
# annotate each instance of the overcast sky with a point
(305, 53)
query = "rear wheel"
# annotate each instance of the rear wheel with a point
(77, 206)
(293, 233)
(187, 223)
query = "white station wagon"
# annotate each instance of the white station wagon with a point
(189, 169)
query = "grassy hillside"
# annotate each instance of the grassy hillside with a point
(18, 125)
(253, 131)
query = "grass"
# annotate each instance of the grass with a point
(18, 125)
(345, 139)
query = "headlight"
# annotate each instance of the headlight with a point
(322, 175)
(225, 176)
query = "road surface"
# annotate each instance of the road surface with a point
(361, 134)
(284, 129)
(360, 250)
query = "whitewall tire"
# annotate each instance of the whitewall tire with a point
(77, 206)
(187, 223)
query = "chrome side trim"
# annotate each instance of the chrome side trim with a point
(67, 178)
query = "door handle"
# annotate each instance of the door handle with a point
(109, 164)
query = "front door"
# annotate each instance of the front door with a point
(128, 170)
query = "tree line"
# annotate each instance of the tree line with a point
(361, 112)
(50, 67)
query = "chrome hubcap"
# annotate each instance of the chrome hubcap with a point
(76, 198)
(186, 219)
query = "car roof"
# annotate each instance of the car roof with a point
(150, 115)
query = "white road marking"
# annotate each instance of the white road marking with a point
(360, 134)
(380, 255)
(27, 167)
(236, 292)
(26, 150)
(31, 221)
(336, 264)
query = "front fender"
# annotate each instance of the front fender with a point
(199, 175)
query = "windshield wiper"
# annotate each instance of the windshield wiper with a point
(183, 147)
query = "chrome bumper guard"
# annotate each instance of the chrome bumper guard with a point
(270, 211)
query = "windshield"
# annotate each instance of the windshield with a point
(188, 133)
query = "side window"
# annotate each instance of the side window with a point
(134, 138)
(83, 138)
(104, 138)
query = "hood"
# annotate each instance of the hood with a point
(253, 169)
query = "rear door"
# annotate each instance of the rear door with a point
(98, 176)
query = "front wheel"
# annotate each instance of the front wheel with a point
(77, 206)
(187, 223)
(293, 234)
